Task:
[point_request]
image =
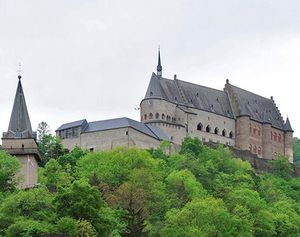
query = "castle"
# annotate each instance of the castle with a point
(177, 109)
(234, 116)
(171, 110)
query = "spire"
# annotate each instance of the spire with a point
(287, 126)
(159, 67)
(19, 125)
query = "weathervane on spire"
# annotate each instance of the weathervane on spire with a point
(19, 71)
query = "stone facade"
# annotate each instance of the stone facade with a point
(234, 116)
(109, 134)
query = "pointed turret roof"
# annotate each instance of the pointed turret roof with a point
(19, 125)
(287, 126)
(159, 67)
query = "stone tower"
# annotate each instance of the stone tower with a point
(20, 141)
(288, 140)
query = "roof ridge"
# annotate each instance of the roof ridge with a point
(250, 92)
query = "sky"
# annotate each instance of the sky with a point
(93, 59)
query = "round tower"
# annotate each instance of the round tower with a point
(242, 132)
(288, 140)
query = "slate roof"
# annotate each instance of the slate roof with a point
(287, 126)
(189, 94)
(74, 124)
(19, 124)
(258, 108)
(102, 125)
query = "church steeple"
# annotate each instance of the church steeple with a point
(19, 125)
(159, 67)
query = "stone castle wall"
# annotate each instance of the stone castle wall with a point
(109, 139)
(190, 122)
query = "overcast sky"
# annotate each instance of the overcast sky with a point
(93, 59)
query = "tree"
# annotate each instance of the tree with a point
(82, 201)
(183, 187)
(281, 167)
(9, 166)
(191, 145)
(201, 217)
(50, 147)
(43, 129)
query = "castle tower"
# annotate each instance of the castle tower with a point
(288, 140)
(19, 140)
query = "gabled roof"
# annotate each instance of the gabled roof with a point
(74, 124)
(103, 125)
(19, 124)
(258, 107)
(189, 94)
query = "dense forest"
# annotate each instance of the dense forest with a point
(199, 191)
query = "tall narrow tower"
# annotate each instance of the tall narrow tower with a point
(20, 141)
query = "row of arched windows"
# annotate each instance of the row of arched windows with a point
(216, 130)
(158, 116)
(275, 137)
(254, 149)
(255, 131)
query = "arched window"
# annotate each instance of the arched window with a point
(224, 133)
(168, 118)
(208, 128)
(275, 136)
(157, 115)
(250, 147)
(216, 130)
(145, 116)
(254, 149)
(259, 150)
(199, 127)
(173, 120)
(163, 116)
(231, 135)
(279, 138)
(150, 116)
(271, 135)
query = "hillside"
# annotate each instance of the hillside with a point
(131, 192)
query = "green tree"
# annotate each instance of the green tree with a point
(32, 204)
(281, 167)
(296, 146)
(50, 147)
(191, 145)
(82, 201)
(9, 166)
(201, 217)
(43, 129)
(183, 187)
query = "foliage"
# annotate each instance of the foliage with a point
(9, 167)
(296, 146)
(281, 167)
(42, 130)
(50, 147)
(199, 191)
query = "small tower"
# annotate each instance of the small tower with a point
(20, 141)
(159, 67)
(288, 140)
